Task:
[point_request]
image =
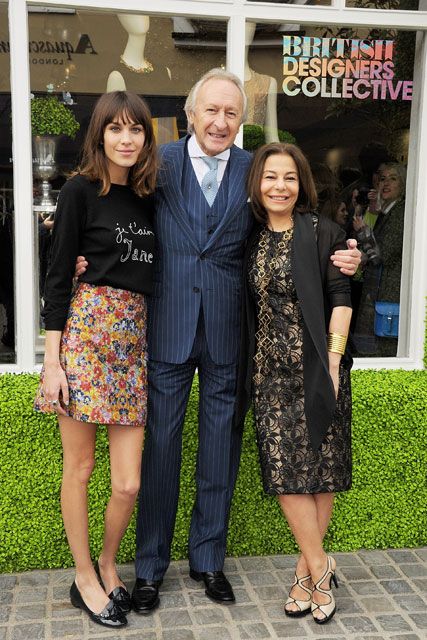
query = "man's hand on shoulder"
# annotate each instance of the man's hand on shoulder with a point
(347, 260)
(81, 266)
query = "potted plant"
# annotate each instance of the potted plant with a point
(49, 120)
(254, 137)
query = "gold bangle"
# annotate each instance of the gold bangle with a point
(336, 343)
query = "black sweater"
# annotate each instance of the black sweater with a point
(113, 232)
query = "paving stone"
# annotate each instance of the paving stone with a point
(366, 588)
(5, 613)
(414, 570)
(178, 634)
(30, 612)
(284, 562)
(410, 603)
(393, 623)
(289, 629)
(406, 636)
(420, 584)
(374, 557)
(270, 594)
(26, 596)
(374, 605)
(136, 621)
(3, 631)
(8, 582)
(245, 612)
(258, 630)
(66, 629)
(347, 605)
(347, 559)
(172, 600)
(215, 633)
(62, 577)
(396, 586)
(385, 571)
(330, 630)
(174, 618)
(172, 584)
(28, 632)
(259, 579)
(6, 597)
(356, 624)
(209, 616)
(420, 620)
(260, 564)
(402, 555)
(242, 596)
(61, 592)
(421, 553)
(230, 565)
(33, 579)
(65, 609)
(274, 611)
(355, 573)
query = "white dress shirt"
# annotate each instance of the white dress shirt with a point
(199, 165)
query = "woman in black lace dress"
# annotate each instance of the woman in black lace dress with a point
(297, 377)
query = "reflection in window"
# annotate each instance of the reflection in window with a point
(344, 96)
(7, 298)
(385, 5)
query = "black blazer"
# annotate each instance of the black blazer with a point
(320, 286)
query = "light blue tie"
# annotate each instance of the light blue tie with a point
(210, 182)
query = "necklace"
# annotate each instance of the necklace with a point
(266, 267)
(148, 68)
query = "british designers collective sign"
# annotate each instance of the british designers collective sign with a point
(342, 68)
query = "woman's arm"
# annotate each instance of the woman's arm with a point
(55, 386)
(339, 325)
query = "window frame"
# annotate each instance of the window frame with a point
(235, 12)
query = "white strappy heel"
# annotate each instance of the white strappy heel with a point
(304, 606)
(328, 609)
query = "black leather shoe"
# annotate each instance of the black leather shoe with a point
(217, 586)
(120, 596)
(110, 616)
(145, 595)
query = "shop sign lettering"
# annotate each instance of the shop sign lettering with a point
(342, 68)
(63, 47)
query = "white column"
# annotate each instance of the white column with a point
(25, 311)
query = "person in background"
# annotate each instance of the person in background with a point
(293, 364)
(95, 369)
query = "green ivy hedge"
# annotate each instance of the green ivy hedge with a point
(385, 508)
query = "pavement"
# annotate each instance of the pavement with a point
(382, 594)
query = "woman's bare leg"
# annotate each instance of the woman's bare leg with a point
(308, 517)
(78, 443)
(125, 458)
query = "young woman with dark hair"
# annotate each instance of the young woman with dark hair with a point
(95, 354)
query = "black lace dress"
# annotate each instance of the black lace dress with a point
(288, 463)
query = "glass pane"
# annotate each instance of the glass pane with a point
(386, 5)
(308, 2)
(345, 98)
(7, 298)
(77, 55)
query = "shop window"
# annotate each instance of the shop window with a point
(75, 56)
(7, 297)
(344, 96)
(386, 5)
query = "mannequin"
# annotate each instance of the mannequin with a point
(133, 58)
(137, 27)
(261, 91)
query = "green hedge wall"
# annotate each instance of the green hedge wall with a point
(385, 508)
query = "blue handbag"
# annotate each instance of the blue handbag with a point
(387, 319)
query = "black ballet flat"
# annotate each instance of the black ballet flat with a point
(120, 596)
(110, 616)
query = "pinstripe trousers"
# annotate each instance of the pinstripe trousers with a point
(217, 461)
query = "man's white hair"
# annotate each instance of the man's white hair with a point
(213, 74)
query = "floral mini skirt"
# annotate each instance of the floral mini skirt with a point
(103, 352)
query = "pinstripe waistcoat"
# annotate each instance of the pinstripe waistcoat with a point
(187, 275)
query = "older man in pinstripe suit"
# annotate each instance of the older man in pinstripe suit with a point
(194, 323)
